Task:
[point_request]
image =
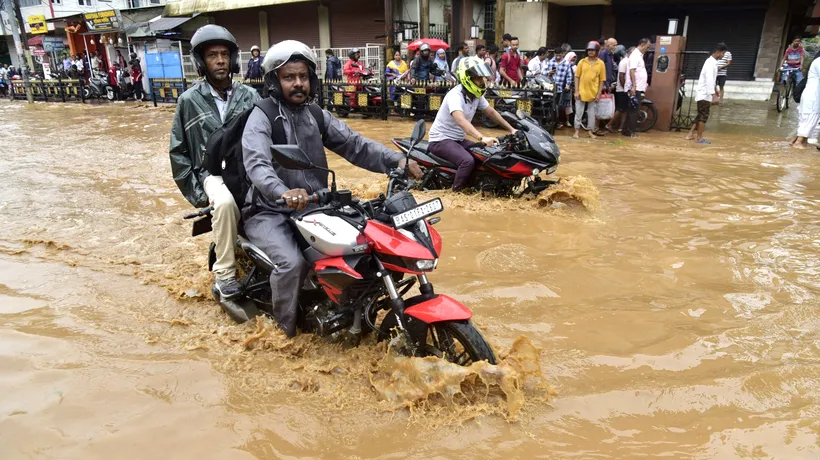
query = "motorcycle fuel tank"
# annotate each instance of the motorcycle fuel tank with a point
(330, 235)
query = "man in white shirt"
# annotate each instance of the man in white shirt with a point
(705, 89)
(635, 86)
(537, 64)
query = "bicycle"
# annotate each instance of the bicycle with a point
(784, 91)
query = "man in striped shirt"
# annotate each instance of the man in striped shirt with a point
(723, 63)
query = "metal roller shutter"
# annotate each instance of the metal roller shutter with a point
(584, 25)
(739, 29)
(356, 22)
(294, 21)
(243, 24)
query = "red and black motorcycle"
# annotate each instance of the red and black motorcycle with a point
(365, 257)
(500, 170)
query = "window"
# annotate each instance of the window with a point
(25, 3)
(84, 2)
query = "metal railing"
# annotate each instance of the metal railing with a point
(59, 90)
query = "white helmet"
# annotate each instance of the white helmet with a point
(282, 53)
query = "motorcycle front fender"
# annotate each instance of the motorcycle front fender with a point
(439, 308)
(646, 101)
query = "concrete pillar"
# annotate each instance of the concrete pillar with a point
(388, 28)
(500, 8)
(772, 46)
(264, 37)
(324, 27)
(424, 21)
(608, 24)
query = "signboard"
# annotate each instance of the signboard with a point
(37, 51)
(102, 21)
(37, 23)
(665, 40)
(53, 44)
(47, 71)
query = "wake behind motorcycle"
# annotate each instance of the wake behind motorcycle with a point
(501, 169)
(364, 257)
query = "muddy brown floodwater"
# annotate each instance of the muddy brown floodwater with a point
(671, 300)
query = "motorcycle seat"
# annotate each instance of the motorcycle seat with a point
(422, 147)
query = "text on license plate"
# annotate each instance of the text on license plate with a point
(419, 212)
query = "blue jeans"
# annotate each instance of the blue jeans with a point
(798, 75)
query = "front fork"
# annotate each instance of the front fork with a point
(414, 331)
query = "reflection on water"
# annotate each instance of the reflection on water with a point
(671, 302)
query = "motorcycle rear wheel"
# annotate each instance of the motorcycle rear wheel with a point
(647, 117)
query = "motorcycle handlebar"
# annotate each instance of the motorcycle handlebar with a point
(313, 199)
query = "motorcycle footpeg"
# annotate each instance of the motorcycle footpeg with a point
(239, 310)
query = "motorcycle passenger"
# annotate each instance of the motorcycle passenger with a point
(440, 66)
(422, 64)
(254, 65)
(201, 110)
(353, 68)
(290, 76)
(454, 119)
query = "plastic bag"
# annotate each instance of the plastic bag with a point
(606, 107)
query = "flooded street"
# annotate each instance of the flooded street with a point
(673, 304)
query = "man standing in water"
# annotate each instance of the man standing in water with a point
(201, 110)
(706, 88)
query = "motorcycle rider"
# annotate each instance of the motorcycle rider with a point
(422, 64)
(353, 68)
(201, 110)
(290, 76)
(454, 119)
(254, 64)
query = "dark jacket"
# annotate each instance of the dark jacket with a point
(254, 68)
(195, 119)
(272, 180)
(420, 68)
(611, 68)
(334, 68)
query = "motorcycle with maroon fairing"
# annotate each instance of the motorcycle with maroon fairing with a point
(365, 257)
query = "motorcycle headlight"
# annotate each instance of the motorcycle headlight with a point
(549, 86)
(426, 265)
(536, 172)
(552, 169)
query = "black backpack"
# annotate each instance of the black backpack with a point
(223, 151)
(798, 90)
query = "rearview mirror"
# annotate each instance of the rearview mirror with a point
(290, 157)
(419, 130)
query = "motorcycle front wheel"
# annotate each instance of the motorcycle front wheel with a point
(109, 93)
(458, 342)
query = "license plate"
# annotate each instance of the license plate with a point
(419, 212)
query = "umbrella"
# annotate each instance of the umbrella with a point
(435, 44)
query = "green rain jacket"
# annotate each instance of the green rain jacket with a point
(195, 119)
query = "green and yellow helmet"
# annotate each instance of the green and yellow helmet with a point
(473, 66)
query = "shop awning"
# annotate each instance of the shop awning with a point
(35, 41)
(155, 26)
(188, 7)
(70, 17)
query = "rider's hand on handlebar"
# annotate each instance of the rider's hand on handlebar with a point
(296, 198)
(489, 141)
(413, 168)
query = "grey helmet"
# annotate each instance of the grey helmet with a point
(282, 53)
(212, 34)
(424, 47)
(352, 53)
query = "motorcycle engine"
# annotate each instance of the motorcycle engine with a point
(324, 320)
